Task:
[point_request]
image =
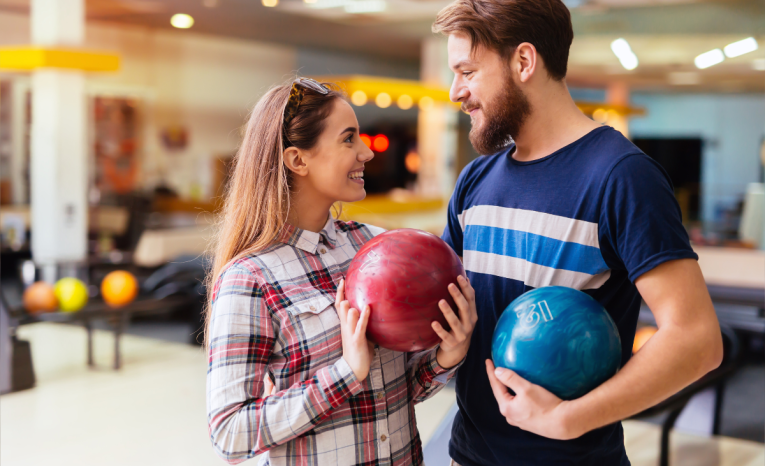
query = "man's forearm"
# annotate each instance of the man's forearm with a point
(671, 360)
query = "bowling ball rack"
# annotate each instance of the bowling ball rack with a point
(118, 318)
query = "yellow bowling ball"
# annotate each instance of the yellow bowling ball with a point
(72, 294)
(119, 288)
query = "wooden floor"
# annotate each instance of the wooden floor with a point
(152, 412)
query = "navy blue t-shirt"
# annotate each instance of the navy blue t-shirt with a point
(594, 216)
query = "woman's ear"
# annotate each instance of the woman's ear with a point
(294, 160)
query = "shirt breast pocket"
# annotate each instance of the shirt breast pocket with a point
(317, 328)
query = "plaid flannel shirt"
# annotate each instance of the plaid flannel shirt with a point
(273, 313)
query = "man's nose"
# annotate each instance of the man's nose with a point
(458, 92)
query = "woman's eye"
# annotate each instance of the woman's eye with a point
(349, 139)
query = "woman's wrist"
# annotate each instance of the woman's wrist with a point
(448, 359)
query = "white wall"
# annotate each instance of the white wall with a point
(206, 84)
(732, 127)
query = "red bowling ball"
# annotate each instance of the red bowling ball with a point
(402, 275)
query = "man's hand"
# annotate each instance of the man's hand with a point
(358, 352)
(532, 408)
(455, 344)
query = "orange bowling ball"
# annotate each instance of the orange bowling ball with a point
(119, 288)
(39, 297)
(642, 336)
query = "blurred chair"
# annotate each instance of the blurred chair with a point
(717, 378)
(183, 276)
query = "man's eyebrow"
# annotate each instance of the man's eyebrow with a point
(462, 64)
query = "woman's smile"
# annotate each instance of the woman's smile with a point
(357, 176)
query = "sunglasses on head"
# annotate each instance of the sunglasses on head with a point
(296, 95)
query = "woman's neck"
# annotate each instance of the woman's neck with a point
(308, 211)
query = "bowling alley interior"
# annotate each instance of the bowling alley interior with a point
(119, 123)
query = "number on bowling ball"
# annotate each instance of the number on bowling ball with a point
(569, 353)
(532, 317)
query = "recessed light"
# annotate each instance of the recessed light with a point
(759, 64)
(182, 21)
(270, 3)
(707, 59)
(741, 47)
(624, 53)
(365, 6)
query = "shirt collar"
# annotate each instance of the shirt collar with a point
(309, 241)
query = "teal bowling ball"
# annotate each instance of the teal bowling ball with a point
(558, 338)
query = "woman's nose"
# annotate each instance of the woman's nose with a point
(366, 154)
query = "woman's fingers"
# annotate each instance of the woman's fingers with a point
(342, 310)
(361, 327)
(454, 322)
(353, 319)
(459, 300)
(340, 292)
(445, 336)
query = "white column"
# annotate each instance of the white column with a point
(58, 145)
(436, 126)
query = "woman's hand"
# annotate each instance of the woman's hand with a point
(455, 344)
(357, 350)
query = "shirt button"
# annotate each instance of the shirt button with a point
(383, 438)
(323, 251)
(380, 396)
(313, 308)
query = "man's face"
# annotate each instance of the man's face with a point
(485, 87)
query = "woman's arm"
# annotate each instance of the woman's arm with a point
(243, 421)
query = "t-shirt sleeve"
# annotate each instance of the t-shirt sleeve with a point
(640, 224)
(453, 231)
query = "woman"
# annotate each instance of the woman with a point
(277, 308)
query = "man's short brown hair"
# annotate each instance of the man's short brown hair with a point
(501, 25)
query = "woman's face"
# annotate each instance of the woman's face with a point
(334, 168)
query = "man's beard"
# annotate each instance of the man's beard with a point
(502, 119)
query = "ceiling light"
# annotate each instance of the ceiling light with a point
(365, 6)
(309, 1)
(600, 115)
(359, 98)
(624, 53)
(270, 3)
(741, 47)
(182, 21)
(759, 64)
(383, 100)
(707, 59)
(684, 78)
(322, 4)
(404, 102)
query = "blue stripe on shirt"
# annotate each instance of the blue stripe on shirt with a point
(536, 249)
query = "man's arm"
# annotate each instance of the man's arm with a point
(687, 346)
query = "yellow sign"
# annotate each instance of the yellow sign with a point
(31, 58)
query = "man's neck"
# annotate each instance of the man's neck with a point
(554, 123)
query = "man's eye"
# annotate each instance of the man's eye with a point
(466, 73)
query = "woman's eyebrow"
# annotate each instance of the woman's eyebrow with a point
(350, 129)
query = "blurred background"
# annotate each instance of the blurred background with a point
(118, 123)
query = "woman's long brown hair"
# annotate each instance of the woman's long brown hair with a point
(257, 198)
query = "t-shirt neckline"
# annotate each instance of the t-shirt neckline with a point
(510, 150)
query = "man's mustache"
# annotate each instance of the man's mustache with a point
(468, 107)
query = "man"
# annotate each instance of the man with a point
(565, 202)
